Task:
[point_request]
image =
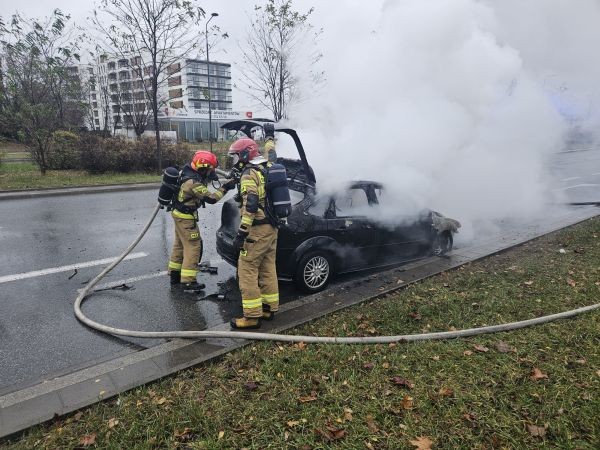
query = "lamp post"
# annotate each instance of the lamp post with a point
(208, 82)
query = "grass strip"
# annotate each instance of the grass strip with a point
(533, 388)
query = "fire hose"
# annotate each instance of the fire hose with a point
(196, 334)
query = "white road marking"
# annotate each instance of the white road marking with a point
(113, 284)
(39, 273)
(569, 179)
(578, 185)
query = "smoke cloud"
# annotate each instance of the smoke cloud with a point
(454, 105)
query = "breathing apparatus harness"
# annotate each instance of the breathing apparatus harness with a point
(172, 181)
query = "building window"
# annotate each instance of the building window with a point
(114, 98)
(112, 66)
(137, 61)
(112, 76)
(93, 96)
(97, 122)
(175, 81)
(124, 75)
(95, 113)
(174, 93)
(94, 104)
(116, 108)
(148, 70)
(123, 63)
(173, 68)
(177, 104)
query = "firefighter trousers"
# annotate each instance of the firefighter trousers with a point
(187, 249)
(256, 271)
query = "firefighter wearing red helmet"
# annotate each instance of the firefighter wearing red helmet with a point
(193, 193)
(256, 238)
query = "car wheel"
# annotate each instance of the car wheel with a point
(314, 271)
(442, 244)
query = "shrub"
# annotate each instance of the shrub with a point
(63, 152)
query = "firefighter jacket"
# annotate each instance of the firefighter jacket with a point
(192, 194)
(253, 194)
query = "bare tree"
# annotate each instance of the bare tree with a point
(280, 50)
(41, 92)
(160, 32)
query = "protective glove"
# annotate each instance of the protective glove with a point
(269, 130)
(229, 185)
(238, 242)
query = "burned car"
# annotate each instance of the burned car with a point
(333, 234)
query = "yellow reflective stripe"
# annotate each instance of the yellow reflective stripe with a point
(218, 195)
(247, 183)
(270, 297)
(181, 215)
(200, 189)
(261, 187)
(252, 303)
(188, 272)
(247, 220)
(174, 265)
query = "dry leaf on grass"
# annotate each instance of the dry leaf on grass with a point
(534, 430)
(399, 381)
(503, 347)
(78, 415)
(536, 374)
(331, 433)
(87, 440)
(446, 392)
(368, 365)
(221, 434)
(309, 398)
(348, 414)
(292, 423)
(373, 428)
(422, 443)
(113, 422)
(481, 348)
(407, 402)
(528, 283)
(251, 386)
(467, 353)
(571, 282)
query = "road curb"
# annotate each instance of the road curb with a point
(36, 404)
(39, 193)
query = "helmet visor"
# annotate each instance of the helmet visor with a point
(235, 158)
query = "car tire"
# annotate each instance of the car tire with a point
(442, 244)
(314, 271)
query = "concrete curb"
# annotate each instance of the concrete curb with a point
(39, 193)
(38, 403)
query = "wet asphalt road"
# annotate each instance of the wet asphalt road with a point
(39, 335)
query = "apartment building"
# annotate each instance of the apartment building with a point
(119, 104)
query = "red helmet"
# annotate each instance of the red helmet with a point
(246, 149)
(204, 158)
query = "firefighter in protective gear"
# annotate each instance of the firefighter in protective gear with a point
(193, 193)
(256, 238)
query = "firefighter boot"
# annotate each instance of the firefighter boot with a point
(175, 277)
(267, 314)
(245, 323)
(193, 287)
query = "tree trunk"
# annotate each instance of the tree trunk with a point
(155, 114)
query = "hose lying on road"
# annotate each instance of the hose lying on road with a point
(296, 338)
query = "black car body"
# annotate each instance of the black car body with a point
(333, 234)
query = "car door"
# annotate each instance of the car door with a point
(349, 225)
(401, 237)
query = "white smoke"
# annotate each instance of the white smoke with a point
(452, 104)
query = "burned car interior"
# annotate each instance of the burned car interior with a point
(337, 232)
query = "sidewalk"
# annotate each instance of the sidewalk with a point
(37, 193)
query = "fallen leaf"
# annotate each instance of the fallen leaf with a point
(368, 365)
(309, 398)
(571, 282)
(528, 283)
(332, 433)
(183, 435)
(598, 373)
(503, 347)
(78, 415)
(536, 374)
(399, 381)
(415, 315)
(221, 434)
(87, 440)
(251, 386)
(373, 428)
(292, 423)
(536, 431)
(161, 401)
(467, 353)
(113, 422)
(407, 402)
(435, 358)
(386, 365)
(422, 443)
(446, 392)
(301, 345)
(369, 446)
(481, 348)
(348, 414)
(581, 361)
(286, 436)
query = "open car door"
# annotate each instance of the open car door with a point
(248, 127)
